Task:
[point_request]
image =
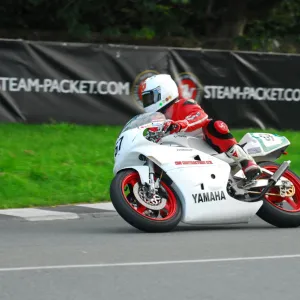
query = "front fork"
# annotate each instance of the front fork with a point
(153, 185)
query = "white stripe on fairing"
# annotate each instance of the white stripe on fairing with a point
(195, 123)
(104, 206)
(152, 263)
(198, 122)
(34, 214)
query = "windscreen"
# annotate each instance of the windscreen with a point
(143, 119)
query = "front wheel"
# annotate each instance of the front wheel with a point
(283, 212)
(124, 190)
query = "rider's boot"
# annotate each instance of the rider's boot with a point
(247, 163)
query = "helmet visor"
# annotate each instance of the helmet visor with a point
(150, 97)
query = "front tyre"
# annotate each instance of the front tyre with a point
(282, 212)
(141, 217)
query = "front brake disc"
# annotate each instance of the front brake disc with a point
(155, 203)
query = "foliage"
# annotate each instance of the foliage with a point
(278, 31)
(247, 24)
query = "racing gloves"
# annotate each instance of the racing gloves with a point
(175, 126)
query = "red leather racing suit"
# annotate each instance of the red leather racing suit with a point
(193, 119)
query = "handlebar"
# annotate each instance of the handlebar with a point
(155, 134)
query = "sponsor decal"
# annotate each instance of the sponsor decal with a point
(251, 93)
(139, 85)
(184, 149)
(142, 88)
(193, 117)
(268, 140)
(267, 137)
(64, 86)
(209, 197)
(190, 101)
(254, 150)
(179, 135)
(189, 86)
(194, 162)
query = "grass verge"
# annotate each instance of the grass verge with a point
(45, 165)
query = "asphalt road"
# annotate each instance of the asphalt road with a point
(90, 254)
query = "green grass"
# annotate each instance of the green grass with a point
(55, 164)
(45, 165)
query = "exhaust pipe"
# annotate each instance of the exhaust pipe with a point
(272, 181)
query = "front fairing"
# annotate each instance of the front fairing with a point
(137, 125)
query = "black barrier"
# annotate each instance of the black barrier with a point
(41, 82)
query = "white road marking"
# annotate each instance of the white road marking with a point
(104, 206)
(150, 263)
(33, 214)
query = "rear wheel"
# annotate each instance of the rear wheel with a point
(161, 214)
(281, 211)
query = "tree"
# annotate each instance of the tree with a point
(225, 20)
(221, 24)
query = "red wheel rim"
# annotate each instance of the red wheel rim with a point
(294, 202)
(165, 214)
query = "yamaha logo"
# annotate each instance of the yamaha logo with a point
(208, 197)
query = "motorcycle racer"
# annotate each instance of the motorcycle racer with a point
(160, 93)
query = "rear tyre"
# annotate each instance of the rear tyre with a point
(273, 210)
(139, 216)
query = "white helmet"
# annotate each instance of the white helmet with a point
(158, 91)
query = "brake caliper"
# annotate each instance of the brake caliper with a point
(287, 189)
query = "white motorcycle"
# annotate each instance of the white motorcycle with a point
(162, 179)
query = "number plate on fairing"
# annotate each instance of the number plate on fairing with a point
(270, 142)
(258, 144)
